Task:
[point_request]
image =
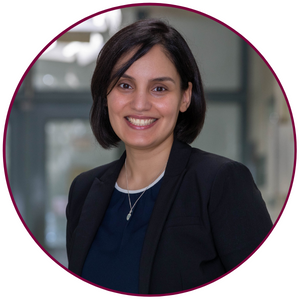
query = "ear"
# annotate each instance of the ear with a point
(186, 98)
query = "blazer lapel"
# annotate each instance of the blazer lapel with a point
(174, 173)
(93, 211)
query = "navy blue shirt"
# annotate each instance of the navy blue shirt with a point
(114, 257)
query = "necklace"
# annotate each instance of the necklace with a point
(132, 206)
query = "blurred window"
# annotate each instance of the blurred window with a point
(70, 150)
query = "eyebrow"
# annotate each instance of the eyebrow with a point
(164, 78)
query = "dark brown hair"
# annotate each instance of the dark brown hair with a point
(143, 35)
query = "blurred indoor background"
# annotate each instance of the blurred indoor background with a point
(49, 140)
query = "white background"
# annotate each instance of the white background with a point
(273, 28)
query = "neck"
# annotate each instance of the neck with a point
(144, 166)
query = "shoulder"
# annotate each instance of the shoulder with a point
(213, 164)
(203, 166)
(228, 183)
(80, 188)
(215, 174)
(83, 182)
(199, 156)
(87, 178)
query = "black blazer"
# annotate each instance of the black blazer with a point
(208, 217)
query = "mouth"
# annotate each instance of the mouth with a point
(140, 122)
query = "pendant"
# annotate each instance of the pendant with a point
(128, 216)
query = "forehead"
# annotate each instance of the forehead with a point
(156, 57)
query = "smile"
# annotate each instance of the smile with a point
(140, 122)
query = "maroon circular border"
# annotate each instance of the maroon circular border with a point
(105, 11)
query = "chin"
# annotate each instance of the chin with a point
(147, 143)
(139, 144)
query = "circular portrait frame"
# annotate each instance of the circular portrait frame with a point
(125, 6)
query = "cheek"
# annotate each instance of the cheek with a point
(114, 105)
(112, 113)
(169, 109)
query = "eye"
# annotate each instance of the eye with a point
(159, 89)
(125, 86)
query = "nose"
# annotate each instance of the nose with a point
(140, 101)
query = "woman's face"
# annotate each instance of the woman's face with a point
(144, 104)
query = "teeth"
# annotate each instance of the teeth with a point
(140, 122)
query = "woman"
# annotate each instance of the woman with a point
(165, 217)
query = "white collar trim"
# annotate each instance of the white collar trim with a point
(141, 190)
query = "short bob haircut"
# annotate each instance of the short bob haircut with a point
(143, 35)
